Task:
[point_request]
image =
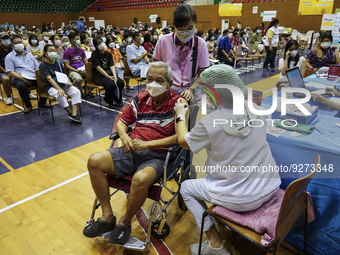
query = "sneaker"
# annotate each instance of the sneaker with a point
(9, 101)
(266, 69)
(32, 96)
(120, 235)
(206, 249)
(99, 228)
(272, 70)
(76, 118)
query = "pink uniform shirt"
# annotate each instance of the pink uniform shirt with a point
(168, 50)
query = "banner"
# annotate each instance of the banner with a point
(315, 7)
(230, 9)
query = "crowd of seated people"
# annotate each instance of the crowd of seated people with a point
(138, 43)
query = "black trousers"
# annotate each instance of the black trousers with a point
(226, 60)
(113, 92)
(24, 92)
(270, 57)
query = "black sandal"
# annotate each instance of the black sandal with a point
(99, 228)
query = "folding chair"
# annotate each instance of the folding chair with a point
(42, 93)
(89, 83)
(294, 203)
(128, 74)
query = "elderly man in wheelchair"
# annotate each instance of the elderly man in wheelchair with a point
(142, 154)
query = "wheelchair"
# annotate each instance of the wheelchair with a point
(157, 225)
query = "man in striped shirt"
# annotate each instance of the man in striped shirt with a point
(142, 153)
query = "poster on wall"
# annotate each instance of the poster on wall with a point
(315, 7)
(230, 9)
(267, 15)
(255, 8)
(327, 21)
(335, 32)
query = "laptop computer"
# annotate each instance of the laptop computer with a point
(296, 81)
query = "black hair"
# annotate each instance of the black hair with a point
(236, 30)
(15, 37)
(52, 38)
(183, 15)
(135, 34)
(199, 33)
(326, 35)
(235, 33)
(275, 21)
(72, 35)
(47, 46)
(210, 35)
(147, 37)
(83, 37)
(95, 41)
(258, 28)
(126, 35)
(225, 31)
(31, 37)
(109, 39)
(289, 44)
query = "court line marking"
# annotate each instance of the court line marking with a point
(42, 192)
(6, 164)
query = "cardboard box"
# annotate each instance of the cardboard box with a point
(299, 119)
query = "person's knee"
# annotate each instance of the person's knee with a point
(95, 162)
(20, 85)
(5, 79)
(184, 188)
(142, 180)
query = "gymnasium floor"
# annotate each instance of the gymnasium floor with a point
(45, 192)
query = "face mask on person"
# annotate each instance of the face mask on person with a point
(19, 47)
(102, 46)
(57, 42)
(141, 40)
(117, 46)
(129, 40)
(34, 42)
(6, 42)
(89, 39)
(104, 39)
(230, 35)
(155, 89)
(46, 38)
(112, 45)
(155, 36)
(293, 53)
(52, 55)
(66, 44)
(325, 45)
(78, 43)
(185, 36)
(258, 31)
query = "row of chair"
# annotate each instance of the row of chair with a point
(256, 1)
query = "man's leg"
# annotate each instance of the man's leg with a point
(141, 182)
(98, 165)
(23, 92)
(6, 85)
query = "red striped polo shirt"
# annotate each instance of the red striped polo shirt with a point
(151, 123)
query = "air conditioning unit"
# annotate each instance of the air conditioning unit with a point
(225, 24)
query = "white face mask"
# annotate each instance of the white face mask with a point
(258, 31)
(112, 45)
(19, 47)
(52, 55)
(230, 35)
(141, 40)
(155, 89)
(326, 45)
(117, 46)
(46, 38)
(155, 36)
(102, 46)
(293, 53)
(129, 40)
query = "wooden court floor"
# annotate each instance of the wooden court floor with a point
(45, 205)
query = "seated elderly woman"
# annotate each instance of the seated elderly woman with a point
(142, 154)
(48, 69)
(231, 144)
(323, 54)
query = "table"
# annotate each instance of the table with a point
(324, 232)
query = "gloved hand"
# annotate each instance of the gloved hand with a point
(181, 108)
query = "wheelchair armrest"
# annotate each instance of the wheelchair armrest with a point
(115, 135)
(173, 148)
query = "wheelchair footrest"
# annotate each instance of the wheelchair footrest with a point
(135, 244)
(124, 184)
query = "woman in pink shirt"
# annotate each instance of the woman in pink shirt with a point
(176, 50)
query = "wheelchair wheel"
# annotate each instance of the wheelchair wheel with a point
(165, 230)
(189, 172)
